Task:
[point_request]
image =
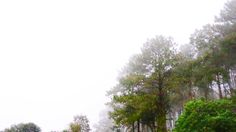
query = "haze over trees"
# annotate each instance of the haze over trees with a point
(79, 124)
(171, 87)
(156, 83)
(105, 124)
(23, 127)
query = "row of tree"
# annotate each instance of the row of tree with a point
(79, 124)
(23, 127)
(155, 84)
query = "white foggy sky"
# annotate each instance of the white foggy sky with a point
(59, 57)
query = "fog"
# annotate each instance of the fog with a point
(58, 58)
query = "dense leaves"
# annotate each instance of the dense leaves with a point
(23, 127)
(210, 116)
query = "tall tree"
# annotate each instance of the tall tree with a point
(207, 42)
(147, 81)
(227, 26)
(159, 58)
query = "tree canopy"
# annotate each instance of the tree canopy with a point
(23, 127)
(156, 83)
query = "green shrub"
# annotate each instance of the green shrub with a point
(207, 116)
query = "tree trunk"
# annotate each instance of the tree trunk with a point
(219, 86)
(161, 123)
(206, 92)
(231, 83)
(191, 95)
(226, 92)
(153, 126)
(138, 125)
(161, 115)
(133, 128)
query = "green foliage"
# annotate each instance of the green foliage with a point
(83, 121)
(74, 127)
(28, 127)
(161, 80)
(228, 46)
(207, 116)
(80, 124)
(144, 86)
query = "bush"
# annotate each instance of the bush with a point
(207, 116)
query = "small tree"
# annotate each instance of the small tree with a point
(28, 127)
(80, 124)
(75, 127)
